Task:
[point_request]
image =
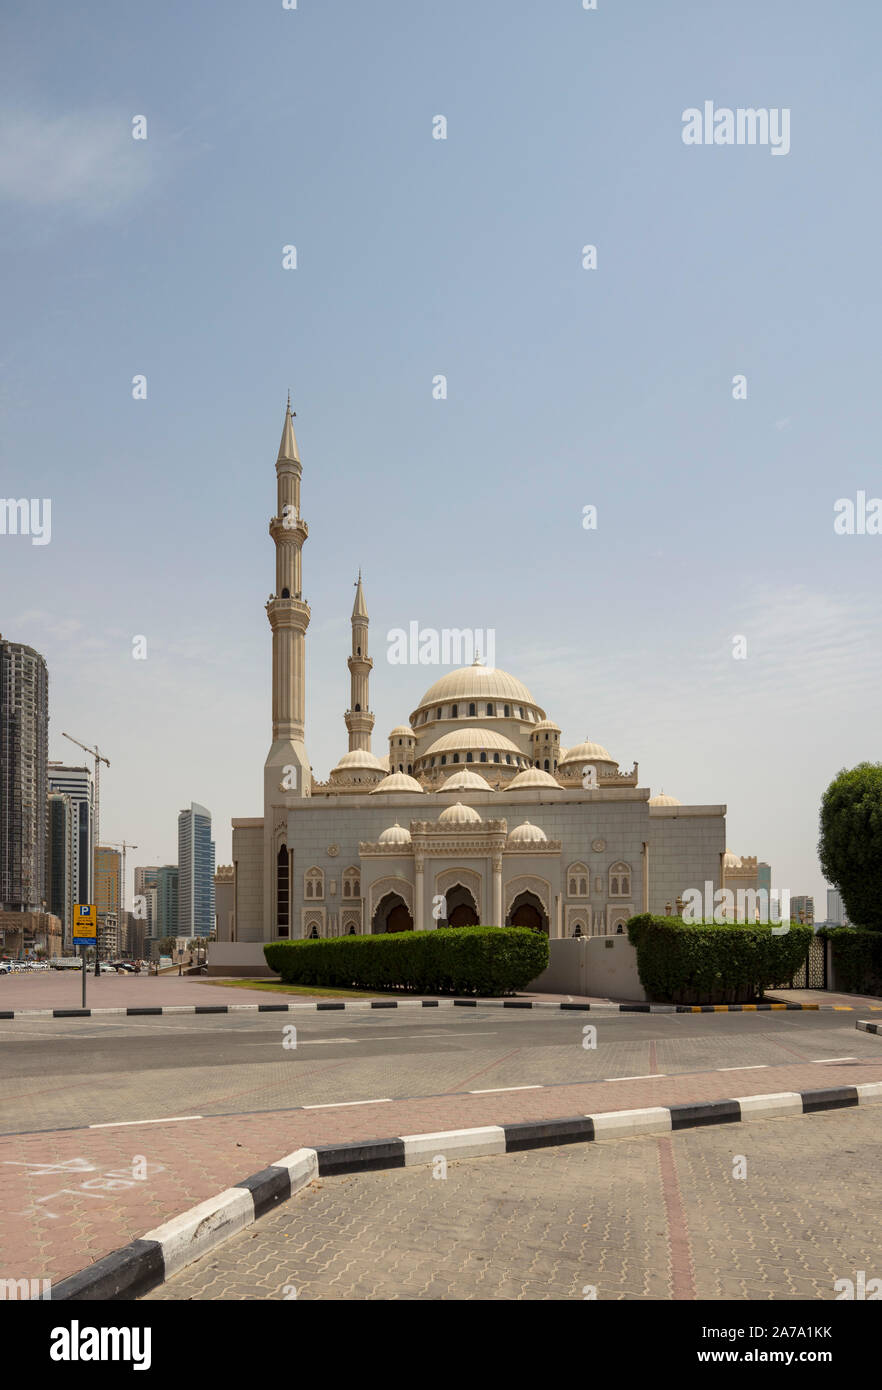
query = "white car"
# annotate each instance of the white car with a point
(5, 967)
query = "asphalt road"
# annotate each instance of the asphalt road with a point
(72, 1073)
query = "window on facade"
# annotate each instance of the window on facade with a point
(454, 711)
(508, 757)
(471, 709)
(506, 709)
(314, 884)
(520, 711)
(437, 714)
(409, 768)
(483, 757)
(469, 758)
(496, 757)
(489, 709)
(456, 757)
(620, 881)
(282, 885)
(443, 759)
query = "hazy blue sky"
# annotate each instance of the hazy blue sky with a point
(613, 387)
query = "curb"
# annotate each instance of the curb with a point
(137, 1268)
(866, 1027)
(324, 1006)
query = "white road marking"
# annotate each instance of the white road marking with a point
(816, 1060)
(335, 1104)
(756, 1066)
(169, 1119)
(492, 1090)
(649, 1076)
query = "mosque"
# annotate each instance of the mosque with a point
(476, 813)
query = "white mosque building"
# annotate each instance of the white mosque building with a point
(475, 812)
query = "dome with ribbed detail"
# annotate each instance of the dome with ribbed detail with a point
(531, 779)
(458, 814)
(471, 740)
(663, 800)
(587, 752)
(395, 835)
(465, 781)
(527, 834)
(396, 782)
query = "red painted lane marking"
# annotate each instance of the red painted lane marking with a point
(489, 1067)
(679, 1251)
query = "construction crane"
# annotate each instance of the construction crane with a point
(99, 759)
(121, 901)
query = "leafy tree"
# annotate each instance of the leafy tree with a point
(850, 847)
(168, 946)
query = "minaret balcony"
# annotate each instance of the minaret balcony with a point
(288, 529)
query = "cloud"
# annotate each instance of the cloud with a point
(84, 161)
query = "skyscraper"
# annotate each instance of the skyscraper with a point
(76, 782)
(60, 860)
(195, 872)
(836, 913)
(146, 882)
(24, 733)
(166, 922)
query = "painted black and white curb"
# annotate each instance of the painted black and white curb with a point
(327, 1005)
(866, 1027)
(139, 1267)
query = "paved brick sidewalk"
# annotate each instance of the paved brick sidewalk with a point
(644, 1218)
(95, 1204)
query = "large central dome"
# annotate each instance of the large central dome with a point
(479, 683)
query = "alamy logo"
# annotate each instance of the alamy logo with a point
(452, 646)
(25, 1288)
(21, 517)
(746, 125)
(747, 905)
(77, 1343)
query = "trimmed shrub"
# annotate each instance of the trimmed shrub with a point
(705, 963)
(449, 960)
(857, 958)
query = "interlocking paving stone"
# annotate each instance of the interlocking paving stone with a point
(544, 1224)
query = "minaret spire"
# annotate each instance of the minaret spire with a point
(288, 614)
(359, 720)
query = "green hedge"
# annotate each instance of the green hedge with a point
(704, 963)
(450, 960)
(857, 958)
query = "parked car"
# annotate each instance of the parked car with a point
(5, 967)
(105, 969)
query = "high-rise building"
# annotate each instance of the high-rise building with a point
(108, 867)
(166, 922)
(24, 733)
(196, 872)
(77, 783)
(764, 876)
(836, 913)
(146, 881)
(802, 909)
(60, 861)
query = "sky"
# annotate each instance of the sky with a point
(416, 257)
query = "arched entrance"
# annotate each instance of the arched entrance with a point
(392, 915)
(527, 911)
(461, 908)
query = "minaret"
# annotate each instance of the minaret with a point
(287, 771)
(359, 720)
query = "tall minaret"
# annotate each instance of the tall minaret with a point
(359, 720)
(286, 771)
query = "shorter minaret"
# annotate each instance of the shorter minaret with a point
(359, 720)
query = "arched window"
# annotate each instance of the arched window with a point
(620, 880)
(489, 709)
(472, 708)
(313, 935)
(508, 757)
(506, 709)
(483, 757)
(286, 593)
(577, 881)
(546, 764)
(469, 758)
(351, 883)
(313, 883)
(282, 884)
(443, 759)
(496, 757)
(454, 711)
(437, 714)
(358, 707)
(410, 768)
(456, 757)
(400, 767)
(358, 649)
(520, 711)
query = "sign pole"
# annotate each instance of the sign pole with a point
(85, 933)
(83, 973)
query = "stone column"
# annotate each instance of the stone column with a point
(419, 923)
(497, 891)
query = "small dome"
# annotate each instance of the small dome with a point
(395, 835)
(731, 861)
(466, 781)
(588, 751)
(458, 814)
(358, 758)
(547, 724)
(471, 739)
(396, 782)
(530, 778)
(401, 729)
(527, 834)
(663, 800)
